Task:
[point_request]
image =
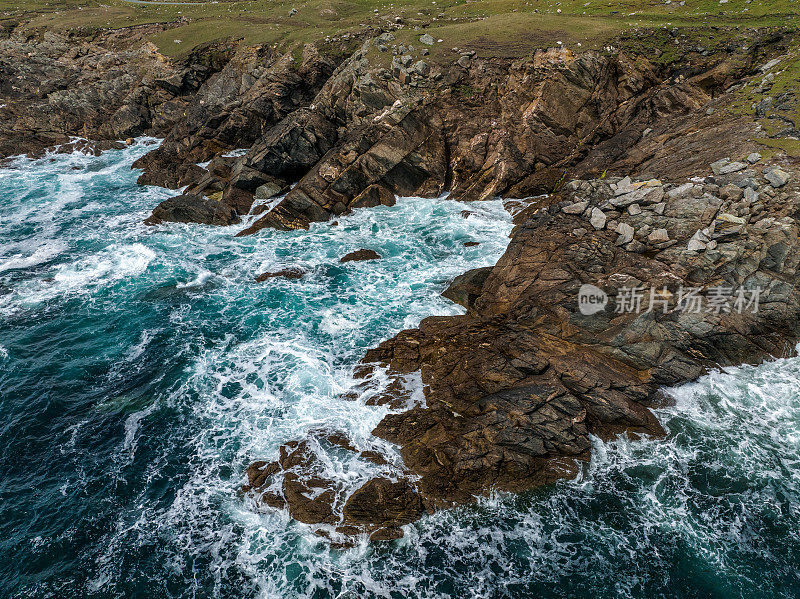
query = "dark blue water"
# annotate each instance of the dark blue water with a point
(141, 370)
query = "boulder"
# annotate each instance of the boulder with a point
(190, 208)
(427, 39)
(753, 157)
(717, 166)
(597, 218)
(374, 195)
(658, 236)
(466, 288)
(286, 273)
(777, 177)
(360, 255)
(732, 167)
(625, 233)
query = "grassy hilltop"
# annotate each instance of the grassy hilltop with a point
(662, 30)
(501, 27)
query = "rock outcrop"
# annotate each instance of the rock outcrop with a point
(611, 287)
(367, 137)
(102, 88)
(360, 256)
(515, 387)
(189, 208)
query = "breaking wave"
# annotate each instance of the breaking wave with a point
(143, 369)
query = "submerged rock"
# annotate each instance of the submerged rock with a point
(286, 273)
(360, 255)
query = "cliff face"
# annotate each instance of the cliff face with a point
(515, 387)
(693, 275)
(55, 88)
(477, 129)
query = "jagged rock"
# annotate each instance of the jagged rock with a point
(514, 387)
(427, 39)
(384, 503)
(374, 195)
(658, 236)
(466, 288)
(360, 255)
(717, 166)
(732, 167)
(645, 194)
(698, 242)
(777, 177)
(421, 68)
(576, 208)
(362, 130)
(625, 233)
(731, 192)
(401, 153)
(753, 157)
(680, 191)
(598, 218)
(728, 224)
(268, 190)
(193, 209)
(386, 534)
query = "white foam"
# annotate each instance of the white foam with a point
(48, 250)
(278, 368)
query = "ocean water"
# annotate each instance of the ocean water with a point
(142, 369)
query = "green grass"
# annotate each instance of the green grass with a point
(508, 28)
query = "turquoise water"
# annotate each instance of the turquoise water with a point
(141, 370)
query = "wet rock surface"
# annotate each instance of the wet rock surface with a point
(285, 273)
(628, 177)
(360, 256)
(515, 387)
(298, 481)
(189, 208)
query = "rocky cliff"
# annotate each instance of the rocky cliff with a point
(652, 240)
(695, 257)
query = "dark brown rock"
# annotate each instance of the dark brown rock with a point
(360, 255)
(383, 503)
(193, 209)
(466, 288)
(386, 534)
(374, 195)
(286, 273)
(515, 387)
